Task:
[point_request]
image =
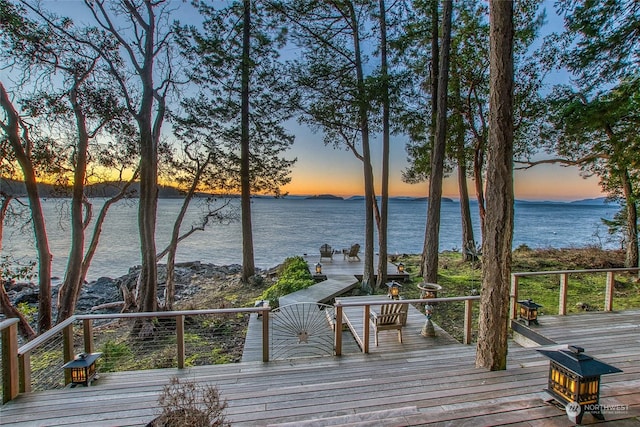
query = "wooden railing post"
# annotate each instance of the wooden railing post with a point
(10, 382)
(67, 349)
(337, 324)
(365, 327)
(87, 332)
(562, 304)
(608, 293)
(514, 296)
(24, 368)
(180, 340)
(265, 335)
(468, 306)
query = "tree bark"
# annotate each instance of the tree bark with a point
(248, 262)
(70, 288)
(363, 114)
(631, 253)
(384, 202)
(498, 233)
(432, 231)
(12, 130)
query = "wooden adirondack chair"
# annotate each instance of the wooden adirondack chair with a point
(326, 252)
(391, 316)
(352, 255)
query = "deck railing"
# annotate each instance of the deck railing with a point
(9, 350)
(564, 283)
(37, 365)
(366, 307)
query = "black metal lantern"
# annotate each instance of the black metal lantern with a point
(400, 268)
(529, 311)
(82, 368)
(318, 268)
(394, 290)
(574, 381)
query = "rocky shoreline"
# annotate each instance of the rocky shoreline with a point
(96, 296)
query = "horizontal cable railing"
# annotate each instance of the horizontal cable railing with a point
(127, 341)
(564, 284)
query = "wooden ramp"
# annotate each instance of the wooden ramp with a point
(429, 387)
(323, 292)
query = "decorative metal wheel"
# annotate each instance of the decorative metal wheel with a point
(301, 330)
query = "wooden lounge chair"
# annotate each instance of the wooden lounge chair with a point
(326, 252)
(352, 255)
(391, 316)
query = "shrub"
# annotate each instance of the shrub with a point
(190, 404)
(293, 276)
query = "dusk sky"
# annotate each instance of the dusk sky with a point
(326, 170)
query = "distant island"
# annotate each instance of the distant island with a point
(324, 197)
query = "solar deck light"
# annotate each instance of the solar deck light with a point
(400, 268)
(82, 368)
(574, 381)
(318, 268)
(394, 290)
(529, 311)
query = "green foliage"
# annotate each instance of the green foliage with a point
(29, 312)
(295, 275)
(113, 353)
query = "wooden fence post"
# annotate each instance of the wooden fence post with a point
(365, 327)
(468, 306)
(180, 340)
(608, 293)
(67, 349)
(514, 296)
(265, 334)
(24, 367)
(337, 324)
(562, 304)
(87, 332)
(10, 382)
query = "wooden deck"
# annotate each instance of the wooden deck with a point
(388, 340)
(427, 387)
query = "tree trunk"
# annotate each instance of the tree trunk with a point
(478, 165)
(363, 113)
(384, 202)
(70, 289)
(13, 131)
(432, 232)
(498, 233)
(248, 263)
(631, 257)
(10, 311)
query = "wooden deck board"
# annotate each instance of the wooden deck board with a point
(377, 389)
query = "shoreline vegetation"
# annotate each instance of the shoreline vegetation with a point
(204, 286)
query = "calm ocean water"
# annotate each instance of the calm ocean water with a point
(286, 227)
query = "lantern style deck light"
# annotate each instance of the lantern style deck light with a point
(394, 290)
(574, 381)
(82, 368)
(318, 268)
(529, 312)
(400, 268)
